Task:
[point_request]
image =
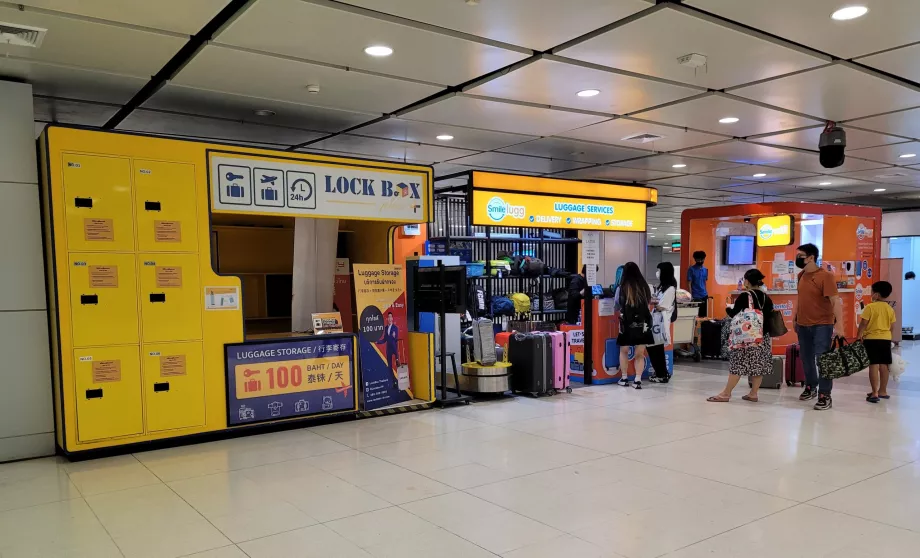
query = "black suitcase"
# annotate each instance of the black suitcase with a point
(531, 358)
(773, 380)
(711, 339)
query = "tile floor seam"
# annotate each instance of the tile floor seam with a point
(836, 449)
(464, 538)
(200, 514)
(104, 528)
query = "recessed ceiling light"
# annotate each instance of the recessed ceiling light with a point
(908, 156)
(673, 234)
(653, 228)
(589, 92)
(669, 221)
(651, 236)
(445, 137)
(760, 175)
(378, 50)
(264, 112)
(849, 12)
(678, 166)
(824, 184)
(728, 120)
(879, 190)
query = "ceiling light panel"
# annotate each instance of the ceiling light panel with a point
(551, 82)
(417, 54)
(888, 24)
(202, 128)
(516, 22)
(705, 113)
(666, 163)
(747, 152)
(904, 123)
(613, 132)
(517, 163)
(423, 132)
(179, 16)
(559, 148)
(895, 154)
(374, 147)
(622, 174)
(834, 92)
(284, 79)
(504, 117)
(650, 46)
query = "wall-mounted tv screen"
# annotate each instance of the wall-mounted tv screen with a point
(739, 250)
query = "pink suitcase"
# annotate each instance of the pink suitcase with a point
(560, 370)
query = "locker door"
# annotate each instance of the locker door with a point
(173, 385)
(97, 202)
(108, 382)
(170, 297)
(166, 206)
(103, 299)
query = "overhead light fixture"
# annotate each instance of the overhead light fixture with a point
(378, 50)
(678, 166)
(673, 234)
(264, 112)
(313, 88)
(908, 156)
(879, 190)
(728, 120)
(760, 175)
(445, 137)
(651, 236)
(824, 184)
(653, 228)
(669, 221)
(589, 92)
(849, 12)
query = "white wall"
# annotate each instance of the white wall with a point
(901, 223)
(26, 416)
(617, 248)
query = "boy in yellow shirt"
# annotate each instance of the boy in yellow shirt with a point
(875, 331)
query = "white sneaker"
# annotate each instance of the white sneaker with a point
(624, 382)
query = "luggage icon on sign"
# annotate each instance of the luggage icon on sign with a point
(271, 187)
(269, 194)
(235, 191)
(235, 184)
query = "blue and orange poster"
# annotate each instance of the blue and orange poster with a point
(380, 297)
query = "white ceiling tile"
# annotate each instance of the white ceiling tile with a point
(352, 155)
(652, 45)
(705, 113)
(768, 189)
(890, 175)
(827, 182)
(374, 147)
(536, 24)
(746, 174)
(666, 194)
(666, 163)
(517, 163)
(443, 169)
(615, 173)
(180, 16)
(614, 131)
(903, 123)
(339, 37)
(73, 83)
(198, 127)
(696, 181)
(502, 117)
(808, 139)
(890, 154)
(427, 132)
(557, 83)
(587, 152)
(204, 102)
(253, 75)
(834, 92)
(904, 62)
(91, 45)
(71, 112)
(888, 24)
(752, 153)
(870, 189)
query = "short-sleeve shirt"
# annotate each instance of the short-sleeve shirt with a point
(697, 276)
(880, 317)
(815, 292)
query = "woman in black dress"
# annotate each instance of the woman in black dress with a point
(632, 300)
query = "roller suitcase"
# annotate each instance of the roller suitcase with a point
(502, 339)
(726, 333)
(795, 373)
(560, 374)
(711, 339)
(773, 380)
(531, 358)
(483, 342)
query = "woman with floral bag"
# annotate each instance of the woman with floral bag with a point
(750, 347)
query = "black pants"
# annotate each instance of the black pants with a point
(704, 306)
(659, 362)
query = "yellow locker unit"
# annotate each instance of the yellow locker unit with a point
(108, 392)
(165, 206)
(98, 202)
(103, 298)
(171, 297)
(173, 386)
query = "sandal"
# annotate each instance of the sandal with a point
(718, 399)
(749, 398)
(880, 396)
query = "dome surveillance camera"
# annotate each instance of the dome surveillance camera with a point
(832, 145)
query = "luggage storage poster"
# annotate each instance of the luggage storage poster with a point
(380, 298)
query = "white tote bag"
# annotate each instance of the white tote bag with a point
(661, 328)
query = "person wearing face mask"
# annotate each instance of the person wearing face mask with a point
(818, 319)
(666, 294)
(697, 275)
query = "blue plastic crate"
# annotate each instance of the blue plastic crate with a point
(475, 269)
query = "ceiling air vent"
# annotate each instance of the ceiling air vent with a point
(642, 138)
(21, 35)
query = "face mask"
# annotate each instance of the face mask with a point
(699, 262)
(658, 274)
(800, 262)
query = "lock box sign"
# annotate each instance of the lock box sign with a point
(235, 184)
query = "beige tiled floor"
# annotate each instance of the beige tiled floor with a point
(605, 472)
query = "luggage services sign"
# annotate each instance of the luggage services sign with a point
(242, 183)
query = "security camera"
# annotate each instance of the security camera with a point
(832, 145)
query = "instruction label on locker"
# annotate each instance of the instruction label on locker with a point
(221, 298)
(98, 229)
(168, 276)
(167, 231)
(106, 371)
(103, 276)
(173, 365)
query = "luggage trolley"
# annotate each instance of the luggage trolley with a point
(685, 332)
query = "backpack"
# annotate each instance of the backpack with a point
(561, 298)
(502, 306)
(532, 267)
(635, 322)
(521, 303)
(477, 301)
(747, 326)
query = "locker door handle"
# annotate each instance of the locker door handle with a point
(157, 297)
(162, 386)
(89, 299)
(94, 393)
(152, 206)
(83, 202)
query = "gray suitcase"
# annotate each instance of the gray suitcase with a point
(776, 377)
(483, 342)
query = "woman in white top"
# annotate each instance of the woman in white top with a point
(666, 293)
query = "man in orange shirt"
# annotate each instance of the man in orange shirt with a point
(818, 319)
